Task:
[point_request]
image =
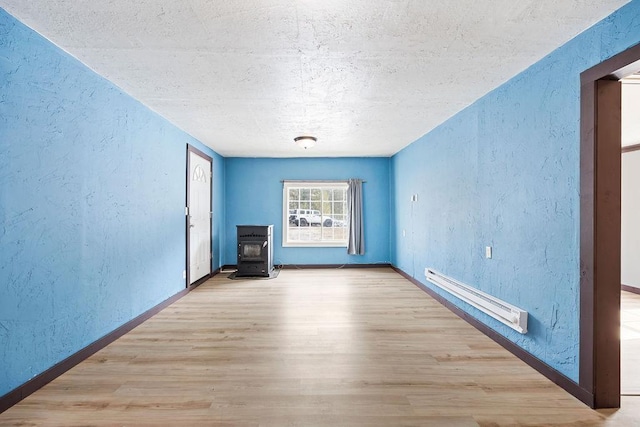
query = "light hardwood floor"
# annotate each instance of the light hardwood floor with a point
(630, 343)
(312, 347)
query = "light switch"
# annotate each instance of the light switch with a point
(488, 252)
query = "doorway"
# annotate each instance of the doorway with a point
(600, 227)
(198, 216)
(630, 239)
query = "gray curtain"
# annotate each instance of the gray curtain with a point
(356, 226)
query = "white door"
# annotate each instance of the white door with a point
(199, 217)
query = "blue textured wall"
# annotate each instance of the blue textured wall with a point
(246, 177)
(92, 193)
(505, 173)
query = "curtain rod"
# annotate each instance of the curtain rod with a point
(316, 180)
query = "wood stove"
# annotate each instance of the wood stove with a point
(255, 250)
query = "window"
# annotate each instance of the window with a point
(315, 214)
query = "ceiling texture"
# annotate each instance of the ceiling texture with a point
(366, 77)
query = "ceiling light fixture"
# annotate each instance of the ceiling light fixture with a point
(305, 141)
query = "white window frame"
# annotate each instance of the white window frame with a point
(285, 215)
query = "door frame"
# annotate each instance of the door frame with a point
(600, 199)
(192, 149)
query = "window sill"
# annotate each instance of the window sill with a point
(314, 245)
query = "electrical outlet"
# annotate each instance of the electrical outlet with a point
(488, 252)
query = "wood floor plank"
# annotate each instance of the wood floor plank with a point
(356, 347)
(630, 343)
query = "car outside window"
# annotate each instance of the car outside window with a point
(315, 214)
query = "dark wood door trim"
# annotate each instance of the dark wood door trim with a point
(194, 150)
(600, 171)
(630, 148)
(631, 289)
(615, 68)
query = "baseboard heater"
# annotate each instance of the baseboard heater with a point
(506, 313)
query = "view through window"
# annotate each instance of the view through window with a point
(315, 214)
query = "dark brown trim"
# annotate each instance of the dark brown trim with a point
(201, 280)
(336, 266)
(318, 266)
(586, 235)
(39, 381)
(631, 289)
(194, 150)
(615, 68)
(630, 148)
(600, 170)
(558, 378)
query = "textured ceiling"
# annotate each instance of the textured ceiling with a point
(365, 77)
